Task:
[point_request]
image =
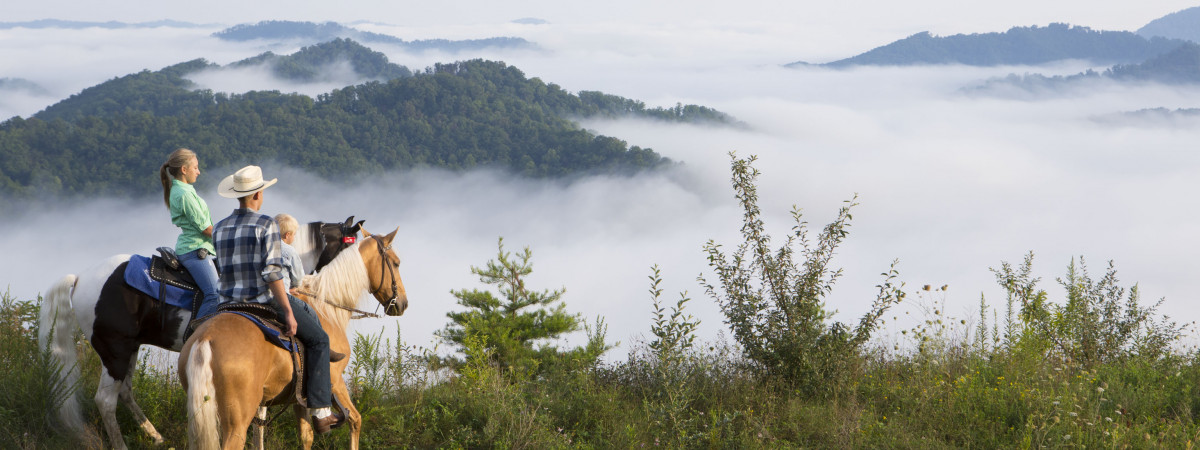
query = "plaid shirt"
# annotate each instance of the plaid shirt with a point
(248, 256)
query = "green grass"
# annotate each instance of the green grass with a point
(953, 394)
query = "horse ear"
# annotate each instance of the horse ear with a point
(390, 236)
(366, 233)
(349, 220)
(357, 226)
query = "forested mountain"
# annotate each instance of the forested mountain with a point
(1183, 24)
(168, 92)
(111, 138)
(1151, 117)
(1179, 66)
(306, 64)
(320, 32)
(1019, 45)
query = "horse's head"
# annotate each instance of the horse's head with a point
(337, 237)
(383, 269)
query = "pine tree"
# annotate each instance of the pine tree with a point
(511, 324)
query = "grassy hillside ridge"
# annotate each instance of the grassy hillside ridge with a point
(1082, 365)
(1017, 46)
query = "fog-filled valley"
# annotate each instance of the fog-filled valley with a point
(951, 180)
(623, 144)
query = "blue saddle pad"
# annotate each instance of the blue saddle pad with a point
(271, 334)
(137, 275)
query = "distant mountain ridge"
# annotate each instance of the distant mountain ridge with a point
(322, 32)
(1017, 46)
(306, 64)
(1180, 66)
(168, 91)
(110, 138)
(72, 24)
(1184, 24)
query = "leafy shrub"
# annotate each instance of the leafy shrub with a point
(1100, 321)
(774, 305)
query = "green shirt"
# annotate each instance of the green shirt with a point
(190, 214)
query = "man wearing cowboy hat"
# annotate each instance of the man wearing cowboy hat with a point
(250, 262)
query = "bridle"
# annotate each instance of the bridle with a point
(391, 303)
(386, 267)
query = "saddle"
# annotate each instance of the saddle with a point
(163, 278)
(268, 322)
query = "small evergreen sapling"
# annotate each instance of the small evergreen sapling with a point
(514, 322)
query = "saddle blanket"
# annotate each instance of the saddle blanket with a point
(273, 336)
(137, 275)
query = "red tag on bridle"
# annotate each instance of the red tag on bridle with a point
(348, 239)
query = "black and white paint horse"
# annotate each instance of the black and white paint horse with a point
(117, 319)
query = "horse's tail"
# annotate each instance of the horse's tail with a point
(202, 398)
(56, 334)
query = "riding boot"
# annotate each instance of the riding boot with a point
(335, 356)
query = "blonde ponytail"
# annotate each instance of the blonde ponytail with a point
(171, 170)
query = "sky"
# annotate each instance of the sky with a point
(949, 184)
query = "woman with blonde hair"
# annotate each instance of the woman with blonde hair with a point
(189, 212)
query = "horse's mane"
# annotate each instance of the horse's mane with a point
(308, 244)
(341, 283)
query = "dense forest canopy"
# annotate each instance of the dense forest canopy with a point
(112, 137)
(306, 64)
(1018, 45)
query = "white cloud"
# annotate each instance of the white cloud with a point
(950, 184)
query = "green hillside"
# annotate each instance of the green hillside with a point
(112, 137)
(306, 64)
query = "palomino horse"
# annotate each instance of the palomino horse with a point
(118, 319)
(231, 373)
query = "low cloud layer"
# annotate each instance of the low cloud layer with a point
(950, 184)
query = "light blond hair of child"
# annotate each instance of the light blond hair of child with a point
(287, 224)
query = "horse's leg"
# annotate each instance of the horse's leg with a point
(353, 418)
(106, 399)
(259, 430)
(303, 426)
(236, 411)
(114, 331)
(235, 418)
(127, 398)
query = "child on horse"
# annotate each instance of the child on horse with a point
(292, 266)
(189, 212)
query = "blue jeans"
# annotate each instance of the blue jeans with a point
(204, 271)
(316, 352)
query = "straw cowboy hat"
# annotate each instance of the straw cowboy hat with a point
(245, 181)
